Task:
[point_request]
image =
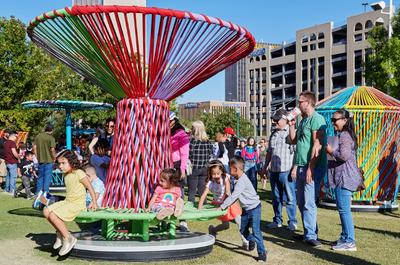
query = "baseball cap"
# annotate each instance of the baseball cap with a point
(229, 130)
(279, 114)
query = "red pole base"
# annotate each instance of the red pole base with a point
(141, 149)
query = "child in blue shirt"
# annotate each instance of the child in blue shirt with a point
(97, 184)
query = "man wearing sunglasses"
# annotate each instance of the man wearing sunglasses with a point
(311, 163)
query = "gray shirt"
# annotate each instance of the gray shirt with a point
(281, 152)
(245, 192)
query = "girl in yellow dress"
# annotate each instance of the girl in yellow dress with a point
(76, 183)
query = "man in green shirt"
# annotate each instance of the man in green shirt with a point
(311, 163)
(44, 149)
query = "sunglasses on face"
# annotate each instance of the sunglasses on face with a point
(110, 126)
(334, 120)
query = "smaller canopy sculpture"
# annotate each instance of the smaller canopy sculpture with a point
(68, 106)
(377, 125)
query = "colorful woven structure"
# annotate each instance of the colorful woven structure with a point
(377, 125)
(68, 106)
(148, 56)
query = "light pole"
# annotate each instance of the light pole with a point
(238, 121)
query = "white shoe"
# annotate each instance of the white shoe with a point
(58, 242)
(67, 245)
(274, 225)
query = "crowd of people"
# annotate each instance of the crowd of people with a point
(294, 159)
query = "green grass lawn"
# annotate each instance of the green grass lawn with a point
(26, 238)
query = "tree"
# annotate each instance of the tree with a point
(382, 66)
(28, 73)
(215, 123)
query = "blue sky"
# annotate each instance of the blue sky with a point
(268, 20)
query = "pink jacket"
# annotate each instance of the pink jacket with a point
(180, 148)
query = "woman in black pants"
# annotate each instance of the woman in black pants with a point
(200, 152)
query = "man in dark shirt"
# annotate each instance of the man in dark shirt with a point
(3, 167)
(11, 157)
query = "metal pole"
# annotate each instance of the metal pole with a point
(238, 122)
(68, 128)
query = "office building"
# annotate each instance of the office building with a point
(324, 59)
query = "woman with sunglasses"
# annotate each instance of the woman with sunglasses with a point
(344, 175)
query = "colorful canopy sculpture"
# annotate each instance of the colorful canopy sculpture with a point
(377, 125)
(68, 106)
(150, 56)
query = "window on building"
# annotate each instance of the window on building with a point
(358, 37)
(313, 47)
(358, 27)
(368, 24)
(304, 63)
(321, 35)
(313, 37)
(304, 39)
(251, 60)
(321, 45)
(304, 48)
(257, 59)
(263, 58)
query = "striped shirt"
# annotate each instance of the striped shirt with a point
(281, 152)
(200, 152)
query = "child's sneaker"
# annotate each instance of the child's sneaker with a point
(58, 242)
(180, 204)
(211, 231)
(252, 245)
(245, 245)
(67, 245)
(165, 212)
(292, 227)
(36, 202)
(262, 257)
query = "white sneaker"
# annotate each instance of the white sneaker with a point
(67, 245)
(58, 242)
(292, 227)
(274, 225)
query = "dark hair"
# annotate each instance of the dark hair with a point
(28, 153)
(172, 175)
(177, 126)
(102, 143)
(310, 97)
(110, 120)
(254, 145)
(215, 164)
(48, 128)
(349, 126)
(71, 157)
(237, 161)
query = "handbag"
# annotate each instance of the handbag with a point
(3, 168)
(361, 185)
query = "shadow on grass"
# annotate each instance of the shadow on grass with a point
(27, 211)
(284, 238)
(232, 247)
(391, 214)
(45, 243)
(383, 232)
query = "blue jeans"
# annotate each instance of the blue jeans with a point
(283, 189)
(252, 218)
(251, 173)
(11, 178)
(343, 203)
(45, 175)
(306, 202)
